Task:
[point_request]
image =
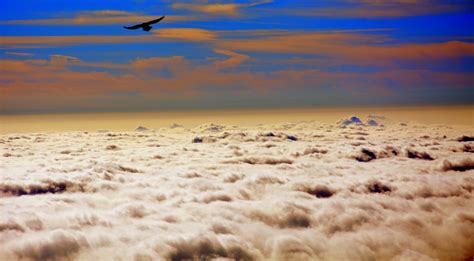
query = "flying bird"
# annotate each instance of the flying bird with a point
(145, 26)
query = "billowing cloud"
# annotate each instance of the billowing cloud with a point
(244, 193)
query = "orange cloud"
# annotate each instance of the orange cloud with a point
(228, 9)
(101, 17)
(161, 35)
(56, 77)
(231, 9)
(30, 40)
(188, 34)
(49, 88)
(57, 60)
(446, 50)
(299, 42)
(196, 34)
(98, 20)
(344, 47)
(234, 58)
(350, 48)
(55, 83)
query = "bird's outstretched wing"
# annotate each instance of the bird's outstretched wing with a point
(155, 21)
(133, 27)
(146, 26)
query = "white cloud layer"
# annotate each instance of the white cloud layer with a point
(293, 191)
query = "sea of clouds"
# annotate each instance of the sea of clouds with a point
(290, 191)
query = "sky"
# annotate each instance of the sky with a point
(60, 56)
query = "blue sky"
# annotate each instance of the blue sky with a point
(61, 57)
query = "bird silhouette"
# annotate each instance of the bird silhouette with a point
(145, 26)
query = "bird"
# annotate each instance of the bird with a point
(145, 26)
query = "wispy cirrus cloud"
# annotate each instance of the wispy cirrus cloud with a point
(230, 9)
(375, 8)
(162, 35)
(344, 46)
(74, 39)
(194, 34)
(99, 17)
(186, 34)
(19, 54)
(351, 48)
(109, 17)
(234, 58)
